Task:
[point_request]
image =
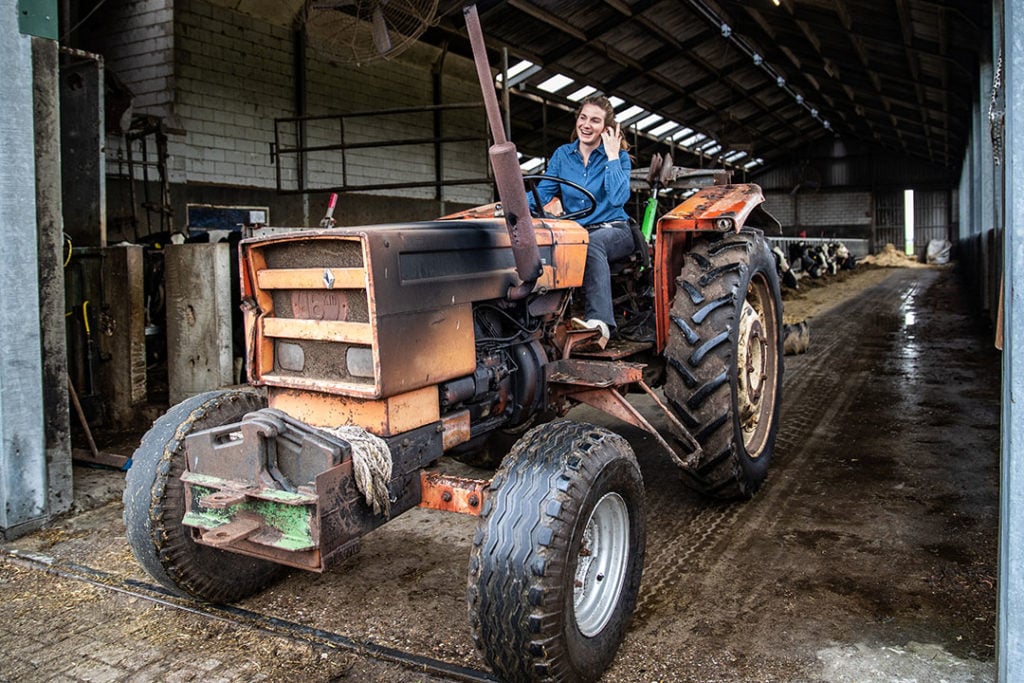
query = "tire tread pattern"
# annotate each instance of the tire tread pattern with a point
(154, 505)
(516, 590)
(701, 380)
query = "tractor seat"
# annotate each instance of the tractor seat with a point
(640, 259)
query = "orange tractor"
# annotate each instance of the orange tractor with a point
(374, 351)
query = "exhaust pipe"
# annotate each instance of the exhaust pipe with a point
(507, 174)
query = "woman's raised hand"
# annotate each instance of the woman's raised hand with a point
(612, 138)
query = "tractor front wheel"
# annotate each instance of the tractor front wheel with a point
(154, 504)
(556, 562)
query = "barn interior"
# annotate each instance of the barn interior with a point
(144, 139)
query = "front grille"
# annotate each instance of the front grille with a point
(322, 360)
(356, 306)
(310, 253)
(315, 304)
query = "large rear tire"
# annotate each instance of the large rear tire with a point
(724, 354)
(154, 504)
(556, 562)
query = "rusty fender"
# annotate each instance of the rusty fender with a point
(715, 209)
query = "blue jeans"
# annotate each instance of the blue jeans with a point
(608, 242)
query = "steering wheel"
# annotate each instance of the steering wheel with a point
(570, 216)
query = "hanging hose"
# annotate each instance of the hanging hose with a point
(651, 210)
(90, 351)
(71, 248)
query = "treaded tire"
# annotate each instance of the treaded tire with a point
(556, 560)
(724, 353)
(154, 505)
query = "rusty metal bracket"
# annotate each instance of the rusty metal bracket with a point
(268, 449)
(615, 404)
(238, 529)
(598, 383)
(575, 372)
(578, 338)
(680, 430)
(452, 494)
(233, 502)
(256, 487)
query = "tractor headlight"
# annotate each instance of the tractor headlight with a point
(290, 356)
(359, 361)
(724, 224)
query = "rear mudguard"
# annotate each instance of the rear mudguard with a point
(715, 209)
(719, 208)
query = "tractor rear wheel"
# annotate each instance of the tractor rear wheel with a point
(154, 504)
(555, 565)
(724, 352)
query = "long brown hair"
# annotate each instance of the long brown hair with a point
(609, 116)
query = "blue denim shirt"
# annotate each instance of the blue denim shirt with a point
(607, 180)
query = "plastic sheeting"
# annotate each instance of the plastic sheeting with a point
(938, 252)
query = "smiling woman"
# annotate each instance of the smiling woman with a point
(597, 160)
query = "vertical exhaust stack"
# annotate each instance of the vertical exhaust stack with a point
(507, 174)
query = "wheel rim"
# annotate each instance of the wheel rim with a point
(757, 366)
(601, 564)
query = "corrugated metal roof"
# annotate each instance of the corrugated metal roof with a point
(751, 76)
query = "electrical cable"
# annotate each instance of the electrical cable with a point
(729, 34)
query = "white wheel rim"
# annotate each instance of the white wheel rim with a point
(751, 362)
(755, 391)
(601, 564)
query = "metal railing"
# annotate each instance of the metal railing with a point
(857, 247)
(294, 128)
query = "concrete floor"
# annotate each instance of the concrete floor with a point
(869, 555)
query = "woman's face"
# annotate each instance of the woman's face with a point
(590, 125)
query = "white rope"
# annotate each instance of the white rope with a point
(371, 464)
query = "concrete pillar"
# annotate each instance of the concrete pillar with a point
(51, 274)
(23, 484)
(965, 203)
(986, 167)
(119, 329)
(82, 139)
(198, 282)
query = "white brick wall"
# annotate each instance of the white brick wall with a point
(837, 208)
(222, 77)
(781, 206)
(138, 45)
(234, 76)
(388, 84)
(820, 210)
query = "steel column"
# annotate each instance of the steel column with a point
(1010, 611)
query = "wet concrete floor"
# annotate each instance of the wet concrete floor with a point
(869, 554)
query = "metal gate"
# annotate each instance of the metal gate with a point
(888, 228)
(931, 219)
